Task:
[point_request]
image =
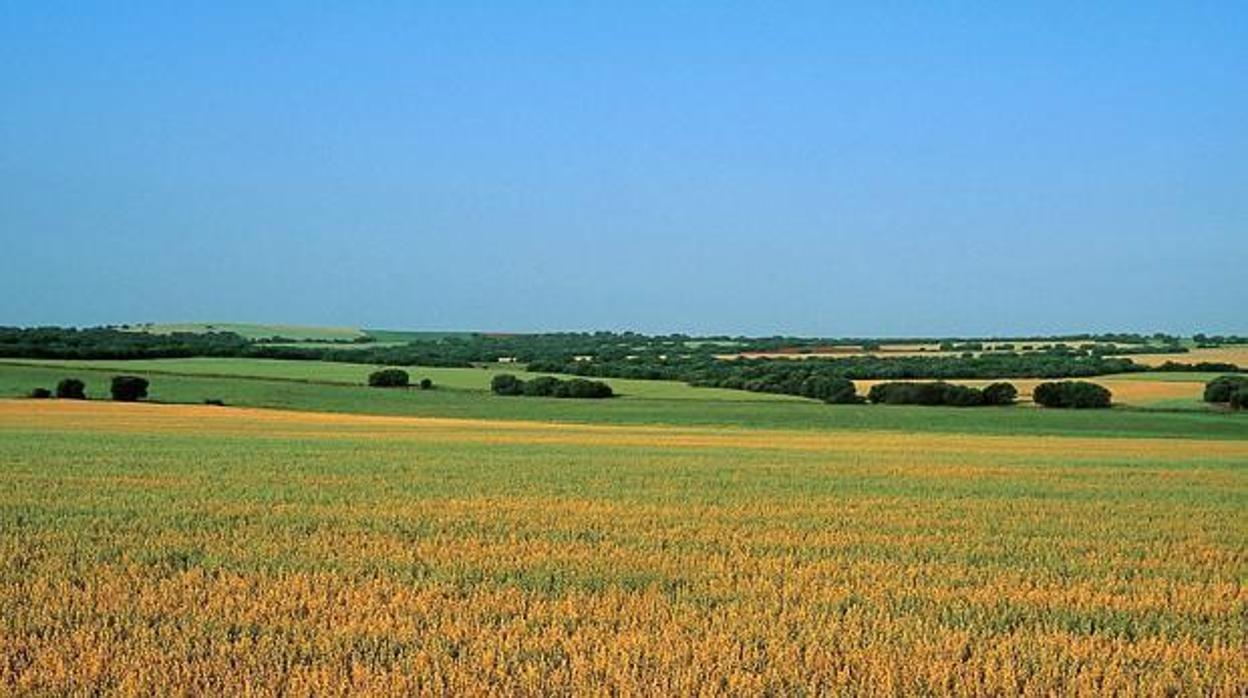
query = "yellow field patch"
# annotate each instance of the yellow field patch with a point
(1126, 391)
(1235, 354)
(199, 419)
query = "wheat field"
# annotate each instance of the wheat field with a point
(151, 549)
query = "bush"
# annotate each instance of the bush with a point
(71, 389)
(506, 384)
(389, 378)
(1239, 399)
(962, 396)
(128, 388)
(542, 386)
(549, 386)
(1071, 394)
(41, 393)
(1220, 389)
(832, 390)
(941, 393)
(581, 388)
(1000, 394)
(426, 384)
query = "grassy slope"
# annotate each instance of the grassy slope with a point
(477, 379)
(17, 380)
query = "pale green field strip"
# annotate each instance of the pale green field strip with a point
(477, 379)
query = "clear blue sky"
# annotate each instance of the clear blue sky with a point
(817, 168)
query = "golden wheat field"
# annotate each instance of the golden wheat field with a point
(153, 549)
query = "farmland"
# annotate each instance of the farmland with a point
(150, 548)
(317, 536)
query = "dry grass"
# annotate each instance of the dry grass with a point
(1236, 354)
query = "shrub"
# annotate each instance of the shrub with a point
(910, 393)
(506, 384)
(426, 384)
(832, 390)
(1000, 394)
(1071, 394)
(961, 396)
(128, 388)
(1220, 389)
(389, 378)
(549, 386)
(581, 388)
(41, 393)
(1239, 399)
(542, 386)
(71, 389)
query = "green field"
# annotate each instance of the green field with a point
(288, 391)
(475, 379)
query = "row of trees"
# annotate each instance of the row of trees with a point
(1071, 394)
(122, 389)
(821, 378)
(1230, 390)
(549, 386)
(941, 393)
(395, 378)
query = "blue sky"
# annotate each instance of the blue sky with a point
(813, 168)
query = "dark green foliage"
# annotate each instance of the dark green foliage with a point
(1198, 367)
(506, 384)
(107, 343)
(1071, 394)
(1239, 399)
(937, 393)
(963, 396)
(542, 386)
(581, 388)
(426, 383)
(549, 386)
(1000, 394)
(830, 389)
(1221, 388)
(71, 389)
(389, 378)
(41, 393)
(128, 388)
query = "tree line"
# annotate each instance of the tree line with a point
(549, 386)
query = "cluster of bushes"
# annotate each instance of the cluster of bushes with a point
(1198, 367)
(1232, 390)
(395, 378)
(549, 386)
(941, 393)
(1071, 394)
(122, 389)
(798, 377)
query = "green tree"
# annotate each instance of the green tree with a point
(128, 388)
(71, 389)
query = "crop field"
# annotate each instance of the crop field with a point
(475, 379)
(1234, 354)
(172, 548)
(1174, 390)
